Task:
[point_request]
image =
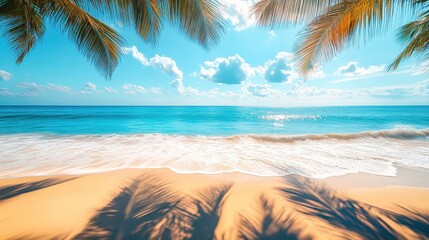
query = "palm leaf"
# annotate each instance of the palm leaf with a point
(344, 23)
(416, 34)
(100, 44)
(22, 24)
(201, 20)
(283, 12)
(144, 16)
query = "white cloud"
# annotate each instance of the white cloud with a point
(5, 75)
(238, 13)
(34, 89)
(260, 90)
(165, 65)
(230, 70)
(280, 69)
(272, 34)
(110, 90)
(58, 88)
(32, 86)
(352, 70)
(90, 88)
(6, 92)
(133, 89)
(421, 89)
(139, 56)
(161, 63)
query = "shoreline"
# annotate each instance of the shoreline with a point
(73, 206)
(405, 177)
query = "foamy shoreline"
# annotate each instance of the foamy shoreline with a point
(314, 156)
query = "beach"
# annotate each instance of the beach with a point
(214, 173)
(161, 204)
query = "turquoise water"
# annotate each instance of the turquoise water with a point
(312, 142)
(212, 121)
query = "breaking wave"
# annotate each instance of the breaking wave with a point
(318, 156)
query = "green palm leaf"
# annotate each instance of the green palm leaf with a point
(416, 34)
(346, 22)
(285, 12)
(100, 44)
(22, 24)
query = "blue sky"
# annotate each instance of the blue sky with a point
(250, 66)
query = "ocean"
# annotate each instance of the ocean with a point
(315, 142)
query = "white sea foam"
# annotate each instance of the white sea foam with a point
(316, 156)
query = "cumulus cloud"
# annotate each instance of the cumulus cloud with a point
(161, 63)
(139, 56)
(165, 65)
(352, 69)
(5, 75)
(230, 70)
(280, 69)
(238, 13)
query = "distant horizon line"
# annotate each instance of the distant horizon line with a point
(309, 106)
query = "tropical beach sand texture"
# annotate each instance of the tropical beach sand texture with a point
(162, 204)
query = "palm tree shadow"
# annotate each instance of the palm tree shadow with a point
(202, 213)
(135, 213)
(147, 208)
(270, 225)
(11, 191)
(323, 203)
(416, 221)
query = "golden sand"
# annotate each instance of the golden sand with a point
(161, 204)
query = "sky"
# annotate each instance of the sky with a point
(251, 66)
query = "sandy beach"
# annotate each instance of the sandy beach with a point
(162, 204)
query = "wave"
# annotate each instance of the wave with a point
(318, 156)
(397, 133)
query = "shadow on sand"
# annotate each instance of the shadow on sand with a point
(269, 224)
(366, 221)
(11, 191)
(148, 208)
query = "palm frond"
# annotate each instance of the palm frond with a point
(344, 23)
(22, 24)
(201, 20)
(100, 44)
(416, 35)
(288, 12)
(144, 16)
